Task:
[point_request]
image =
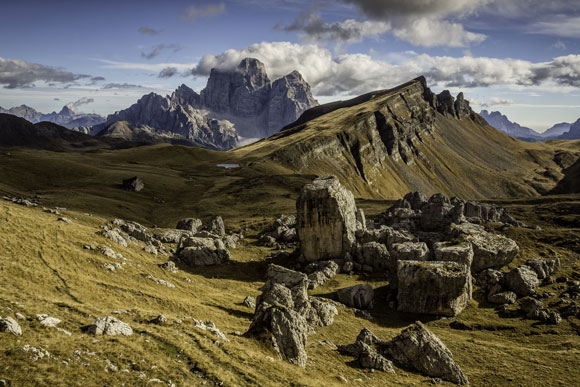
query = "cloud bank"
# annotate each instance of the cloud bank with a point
(20, 73)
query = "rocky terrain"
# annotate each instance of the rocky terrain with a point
(188, 266)
(236, 104)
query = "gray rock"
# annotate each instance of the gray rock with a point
(489, 250)
(440, 288)
(376, 255)
(522, 280)
(324, 272)
(47, 321)
(543, 268)
(321, 312)
(189, 224)
(532, 308)
(357, 296)
(9, 325)
(410, 251)
(503, 298)
(171, 236)
(363, 349)
(169, 266)
(115, 236)
(161, 319)
(133, 184)
(326, 220)
(216, 226)
(109, 326)
(250, 302)
(448, 251)
(419, 349)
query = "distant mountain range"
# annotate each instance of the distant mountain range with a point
(67, 117)
(563, 130)
(235, 106)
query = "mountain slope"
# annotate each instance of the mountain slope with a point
(390, 142)
(502, 123)
(573, 133)
(241, 102)
(556, 130)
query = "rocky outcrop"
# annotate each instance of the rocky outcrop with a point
(189, 224)
(326, 220)
(367, 349)
(419, 349)
(439, 288)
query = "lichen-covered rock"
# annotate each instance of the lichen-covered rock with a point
(448, 251)
(503, 298)
(203, 256)
(357, 296)
(189, 224)
(216, 226)
(440, 288)
(543, 267)
(533, 309)
(522, 280)
(490, 251)
(9, 325)
(326, 220)
(109, 326)
(324, 272)
(410, 251)
(376, 255)
(419, 349)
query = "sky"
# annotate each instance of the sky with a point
(521, 57)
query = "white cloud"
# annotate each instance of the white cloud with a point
(360, 73)
(20, 73)
(432, 32)
(153, 67)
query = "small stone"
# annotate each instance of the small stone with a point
(109, 326)
(161, 319)
(169, 266)
(63, 219)
(9, 325)
(250, 302)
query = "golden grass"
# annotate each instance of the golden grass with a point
(44, 269)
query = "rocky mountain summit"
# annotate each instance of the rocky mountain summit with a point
(501, 122)
(236, 104)
(66, 117)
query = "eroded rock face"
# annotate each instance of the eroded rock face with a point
(109, 326)
(418, 348)
(490, 251)
(440, 288)
(326, 220)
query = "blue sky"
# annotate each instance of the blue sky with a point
(521, 57)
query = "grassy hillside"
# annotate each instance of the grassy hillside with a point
(46, 270)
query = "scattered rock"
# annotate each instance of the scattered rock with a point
(169, 266)
(440, 288)
(449, 251)
(189, 224)
(35, 353)
(160, 281)
(210, 327)
(357, 296)
(533, 309)
(63, 219)
(9, 325)
(109, 326)
(133, 184)
(420, 349)
(364, 350)
(161, 319)
(543, 268)
(47, 321)
(322, 272)
(216, 226)
(503, 298)
(115, 236)
(250, 302)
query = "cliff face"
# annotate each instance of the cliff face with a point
(390, 142)
(235, 103)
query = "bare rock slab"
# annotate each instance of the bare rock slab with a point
(109, 326)
(434, 287)
(9, 325)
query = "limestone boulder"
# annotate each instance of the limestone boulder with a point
(410, 251)
(449, 251)
(109, 326)
(522, 280)
(543, 267)
(189, 224)
(417, 348)
(203, 256)
(439, 288)
(376, 255)
(490, 251)
(326, 220)
(9, 325)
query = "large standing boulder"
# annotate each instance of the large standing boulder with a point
(490, 251)
(326, 220)
(375, 254)
(522, 280)
(197, 251)
(420, 349)
(189, 224)
(440, 288)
